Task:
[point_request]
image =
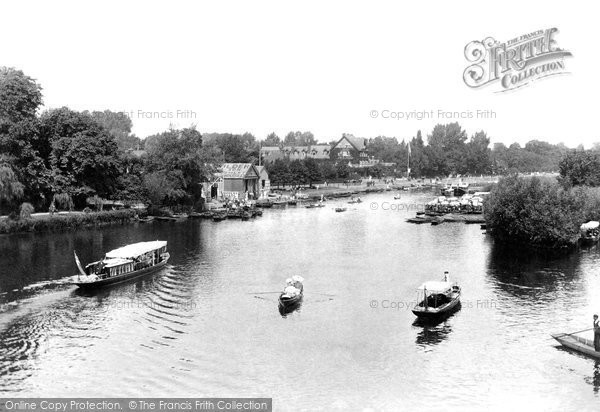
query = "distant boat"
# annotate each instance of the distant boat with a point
(340, 209)
(313, 205)
(122, 264)
(264, 203)
(398, 196)
(576, 343)
(217, 217)
(438, 299)
(590, 232)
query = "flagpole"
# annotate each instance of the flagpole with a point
(408, 163)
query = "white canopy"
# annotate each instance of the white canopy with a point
(435, 286)
(590, 225)
(136, 249)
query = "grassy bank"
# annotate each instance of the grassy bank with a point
(60, 222)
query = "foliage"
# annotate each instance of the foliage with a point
(299, 139)
(83, 155)
(96, 201)
(26, 210)
(539, 212)
(63, 201)
(580, 168)
(234, 148)
(66, 222)
(119, 125)
(10, 187)
(272, 140)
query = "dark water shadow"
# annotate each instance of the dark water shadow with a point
(436, 330)
(531, 273)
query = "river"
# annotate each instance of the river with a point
(203, 326)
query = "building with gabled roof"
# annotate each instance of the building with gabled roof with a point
(351, 148)
(240, 179)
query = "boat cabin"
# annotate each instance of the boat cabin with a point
(590, 230)
(434, 294)
(128, 259)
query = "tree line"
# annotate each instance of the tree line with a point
(62, 158)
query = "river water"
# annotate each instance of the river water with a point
(204, 327)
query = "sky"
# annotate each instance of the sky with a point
(324, 67)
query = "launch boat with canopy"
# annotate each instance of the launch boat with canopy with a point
(437, 299)
(122, 264)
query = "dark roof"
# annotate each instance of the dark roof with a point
(262, 171)
(359, 143)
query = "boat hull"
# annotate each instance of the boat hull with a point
(290, 302)
(438, 313)
(121, 278)
(578, 344)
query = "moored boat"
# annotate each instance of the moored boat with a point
(122, 264)
(590, 232)
(217, 217)
(577, 343)
(437, 299)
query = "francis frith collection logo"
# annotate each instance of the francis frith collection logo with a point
(516, 62)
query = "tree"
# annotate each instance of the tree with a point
(272, 140)
(10, 187)
(25, 211)
(83, 155)
(299, 139)
(279, 172)
(312, 171)
(20, 98)
(580, 168)
(181, 159)
(384, 148)
(477, 156)
(446, 147)
(119, 125)
(298, 172)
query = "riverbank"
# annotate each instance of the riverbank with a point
(66, 221)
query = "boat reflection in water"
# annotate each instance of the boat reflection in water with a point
(595, 378)
(432, 333)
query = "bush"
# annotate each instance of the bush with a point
(539, 212)
(26, 211)
(58, 223)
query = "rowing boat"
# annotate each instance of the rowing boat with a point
(577, 343)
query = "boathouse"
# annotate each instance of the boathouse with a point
(240, 179)
(264, 184)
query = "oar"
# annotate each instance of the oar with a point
(261, 293)
(573, 333)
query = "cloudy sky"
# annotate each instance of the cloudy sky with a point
(262, 66)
